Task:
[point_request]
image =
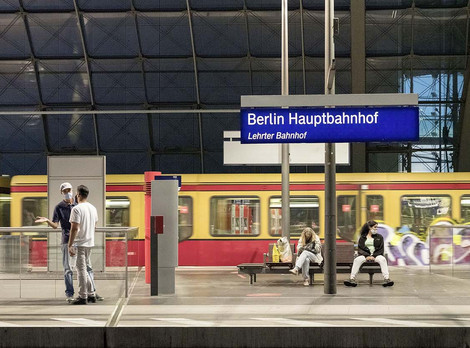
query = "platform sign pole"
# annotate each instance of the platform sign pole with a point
(330, 161)
(285, 146)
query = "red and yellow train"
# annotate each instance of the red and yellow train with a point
(227, 219)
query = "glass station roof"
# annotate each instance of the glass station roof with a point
(189, 55)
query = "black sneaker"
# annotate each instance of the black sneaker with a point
(91, 299)
(387, 282)
(95, 298)
(350, 282)
(79, 301)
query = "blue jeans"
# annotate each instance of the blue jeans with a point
(68, 273)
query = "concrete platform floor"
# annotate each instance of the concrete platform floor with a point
(221, 298)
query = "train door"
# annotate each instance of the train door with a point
(346, 217)
(374, 208)
(275, 215)
(241, 217)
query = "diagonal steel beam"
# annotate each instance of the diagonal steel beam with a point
(36, 74)
(121, 74)
(11, 82)
(6, 29)
(302, 41)
(248, 45)
(64, 80)
(146, 106)
(162, 31)
(196, 81)
(88, 70)
(55, 33)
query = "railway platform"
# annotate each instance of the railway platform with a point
(215, 307)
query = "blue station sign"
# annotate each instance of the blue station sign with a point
(329, 125)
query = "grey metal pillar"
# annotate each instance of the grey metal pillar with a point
(164, 249)
(330, 161)
(285, 147)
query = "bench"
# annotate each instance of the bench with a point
(268, 265)
(344, 261)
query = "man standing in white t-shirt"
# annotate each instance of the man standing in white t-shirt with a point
(83, 219)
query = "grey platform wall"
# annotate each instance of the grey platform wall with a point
(269, 337)
(77, 170)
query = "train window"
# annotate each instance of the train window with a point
(375, 207)
(304, 212)
(117, 211)
(346, 217)
(465, 208)
(232, 216)
(32, 207)
(185, 218)
(418, 212)
(5, 203)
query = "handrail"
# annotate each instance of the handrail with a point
(47, 229)
(449, 226)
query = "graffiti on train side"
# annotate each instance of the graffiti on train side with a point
(446, 246)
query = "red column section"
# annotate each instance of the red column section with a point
(148, 177)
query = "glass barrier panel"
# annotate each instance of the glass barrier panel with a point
(461, 247)
(449, 250)
(11, 262)
(28, 270)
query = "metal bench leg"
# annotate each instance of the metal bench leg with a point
(254, 277)
(371, 276)
(251, 278)
(312, 275)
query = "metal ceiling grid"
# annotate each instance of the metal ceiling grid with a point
(200, 54)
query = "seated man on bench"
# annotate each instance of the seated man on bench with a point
(370, 249)
(308, 249)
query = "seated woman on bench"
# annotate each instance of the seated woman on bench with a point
(370, 249)
(308, 249)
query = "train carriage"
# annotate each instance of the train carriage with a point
(226, 219)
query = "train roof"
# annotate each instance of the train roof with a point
(353, 178)
(188, 179)
(116, 179)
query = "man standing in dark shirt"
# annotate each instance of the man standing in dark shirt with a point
(62, 215)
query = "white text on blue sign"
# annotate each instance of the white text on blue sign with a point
(307, 125)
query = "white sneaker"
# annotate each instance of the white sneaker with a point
(69, 299)
(307, 282)
(294, 271)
